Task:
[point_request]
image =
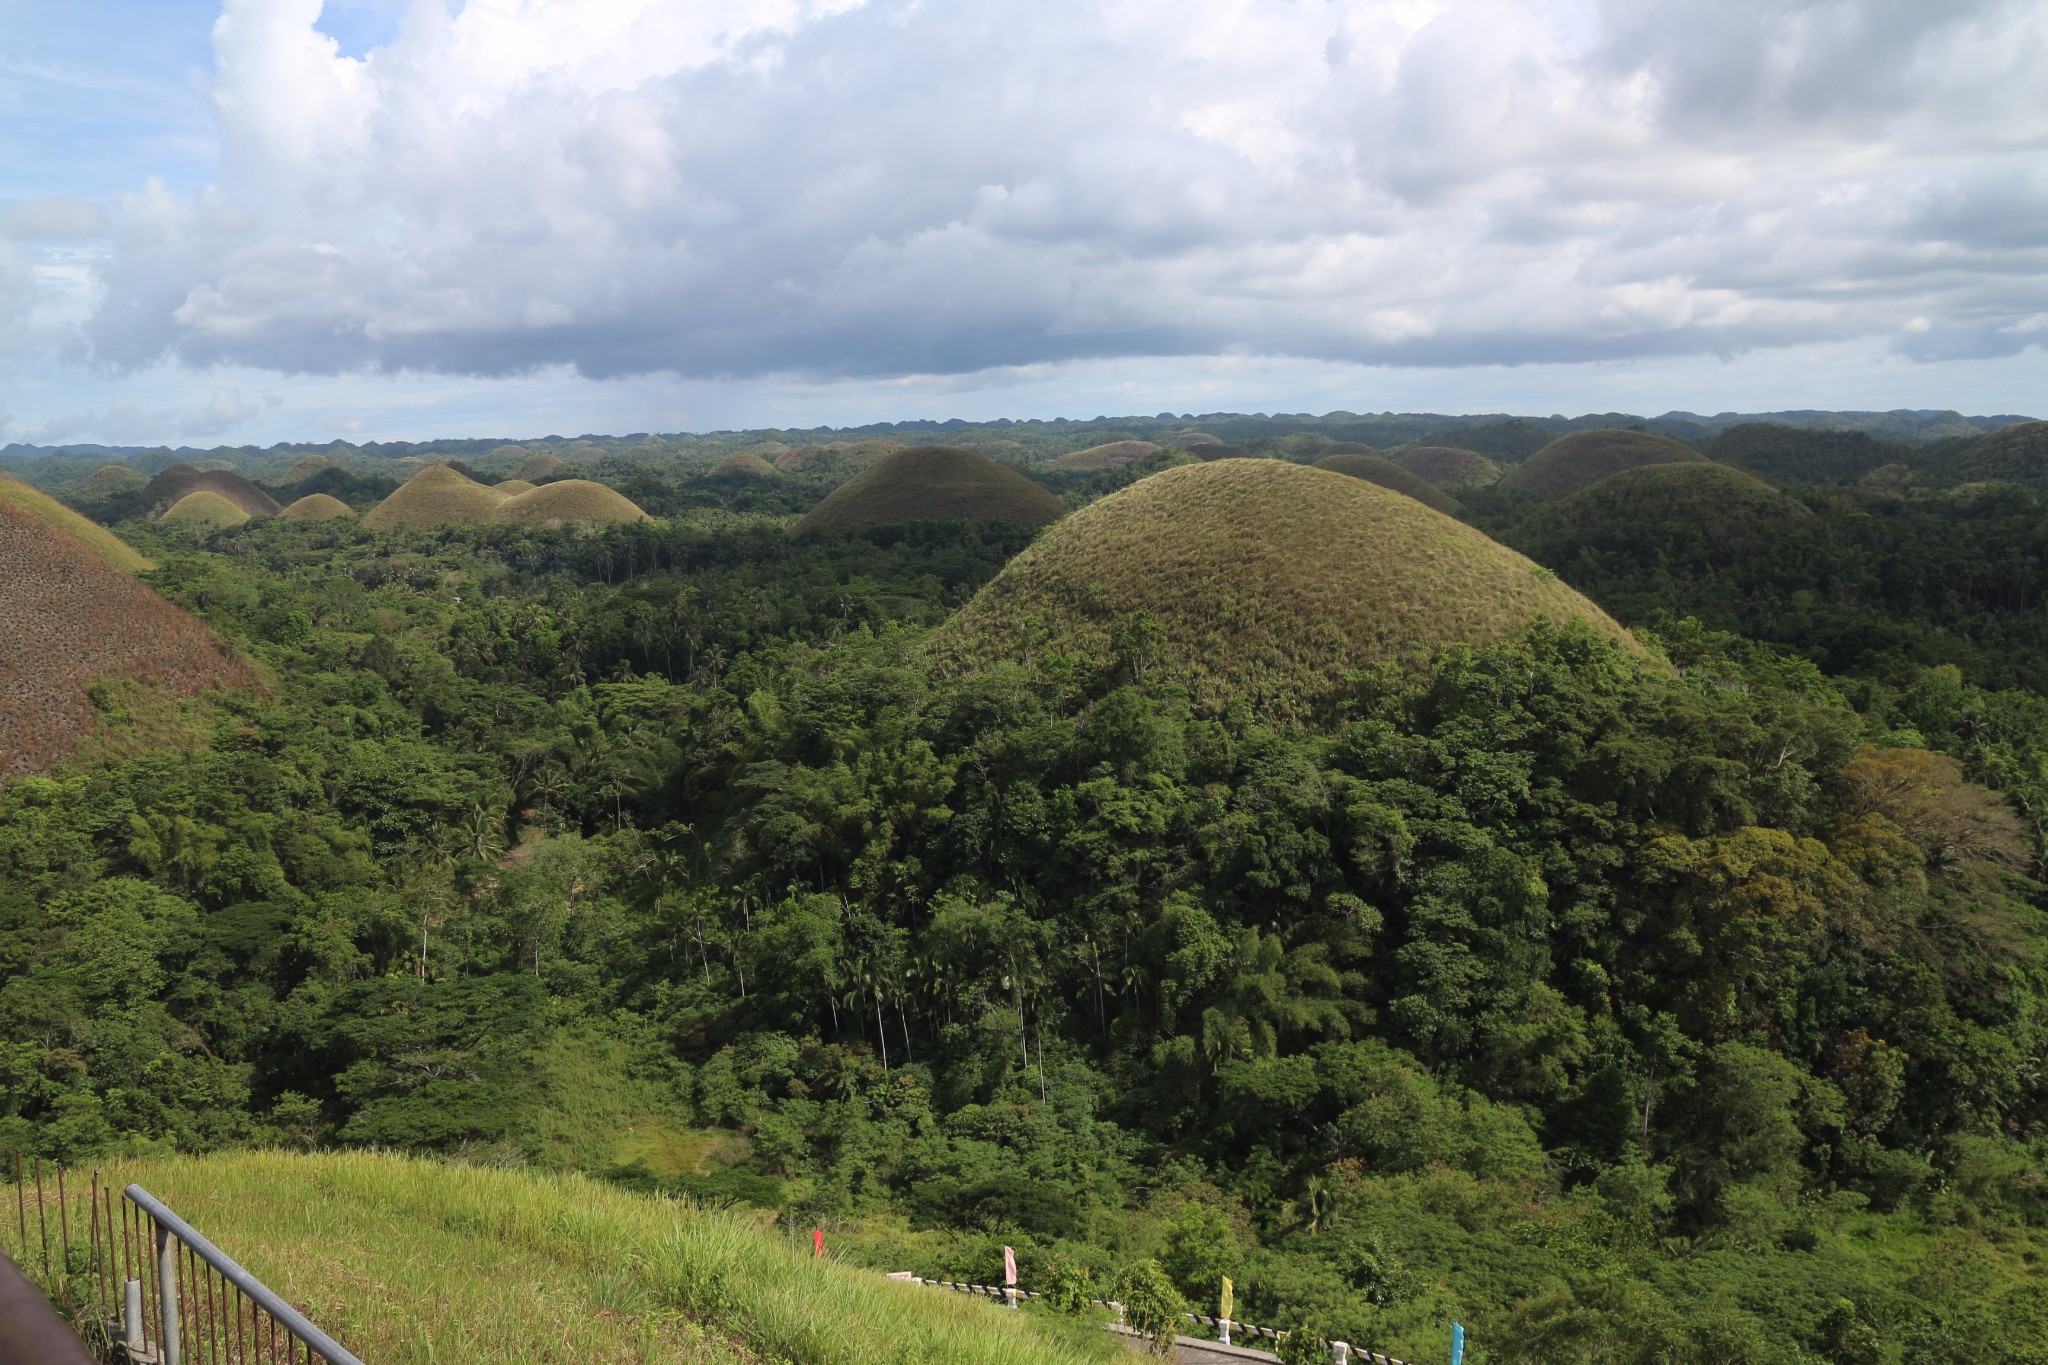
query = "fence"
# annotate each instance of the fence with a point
(1341, 1352)
(140, 1284)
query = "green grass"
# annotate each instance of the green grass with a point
(443, 496)
(1698, 498)
(305, 468)
(1105, 456)
(744, 462)
(406, 1260)
(1270, 582)
(535, 466)
(569, 500)
(205, 510)
(932, 483)
(109, 547)
(1387, 474)
(1449, 467)
(109, 480)
(1585, 457)
(317, 507)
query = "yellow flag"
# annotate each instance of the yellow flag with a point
(1228, 1298)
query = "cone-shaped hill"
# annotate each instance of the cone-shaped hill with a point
(317, 507)
(932, 483)
(178, 482)
(746, 464)
(1698, 514)
(1270, 581)
(1584, 457)
(111, 480)
(2015, 454)
(1387, 474)
(1449, 467)
(305, 468)
(441, 495)
(511, 486)
(1114, 455)
(537, 466)
(112, 550)
(68, 620)
(205, 510)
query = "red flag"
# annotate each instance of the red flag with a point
(1009, 1266)
(817, 1243)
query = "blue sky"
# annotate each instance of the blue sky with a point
(275, 220)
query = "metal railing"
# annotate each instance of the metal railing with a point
(1341, 1352)
(141, 1286)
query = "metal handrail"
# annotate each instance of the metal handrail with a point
(290, 1318)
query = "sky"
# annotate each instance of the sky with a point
(263, 220)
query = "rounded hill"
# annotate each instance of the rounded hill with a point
(537, 466)
(1387, 474)
(2014, 454)
(1698, 512)
(111, 480)
(205, 511)
(317, 507)
(439, 495)
(1450, 467)
(570, 501)
(1109, 456)
(1585, 457)
(508, 487)
(306, 468)
(180, 481)
(68, 620)
(932, 483)
(1269, 581)
(111, 549)
(746, 464)
(838, 455)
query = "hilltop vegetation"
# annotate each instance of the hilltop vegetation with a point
(1450, 468)
(1253, 582)
(1585, 457)
(1387, 474)
(932, 483)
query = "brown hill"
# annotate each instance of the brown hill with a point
(180, 480)
(69, 620)
(109, 547)
(932, 483)
(1585, 457)
(1387, 474)
(1269, 581)
(1111, 456)
(436, 496)
(537, 466)
(840, 454)
(570, 502)
(745, 463)
(1450, 468)
(205, 510)
(317, 507)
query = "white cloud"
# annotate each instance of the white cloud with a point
(123, 421)
(838, 188)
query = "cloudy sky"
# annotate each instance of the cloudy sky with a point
(262, 220)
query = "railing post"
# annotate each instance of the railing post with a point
(131, 1318)
(167, 1295)
(1340, 1353)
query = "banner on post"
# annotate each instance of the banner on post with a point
(1229, 1299)
(817, 1243)
(1009, 1266)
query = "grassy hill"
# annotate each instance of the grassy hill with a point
(69, 621)
(836, 455)
(1268, 581)
(1801, 454)
(181, 480)
(536, 466)
(205, 510)
(745, 463)
(2015, 454)
(1722, 510)
(109, 547)
(1105, 456)
(317, 507)
(1584, 457)
(111, 480)
(441, 495)
(1449, 467)
(932, 483)
(305, 469)
(415, 1261)
(1384, 472)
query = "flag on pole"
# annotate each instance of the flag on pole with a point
(1009, 1266)
(1229, 1298)
(1457, 1343)
(817, 1243)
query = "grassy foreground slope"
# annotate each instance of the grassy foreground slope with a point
(407, 1260)
(116, 552)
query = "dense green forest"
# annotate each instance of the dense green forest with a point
(1681, 1008)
